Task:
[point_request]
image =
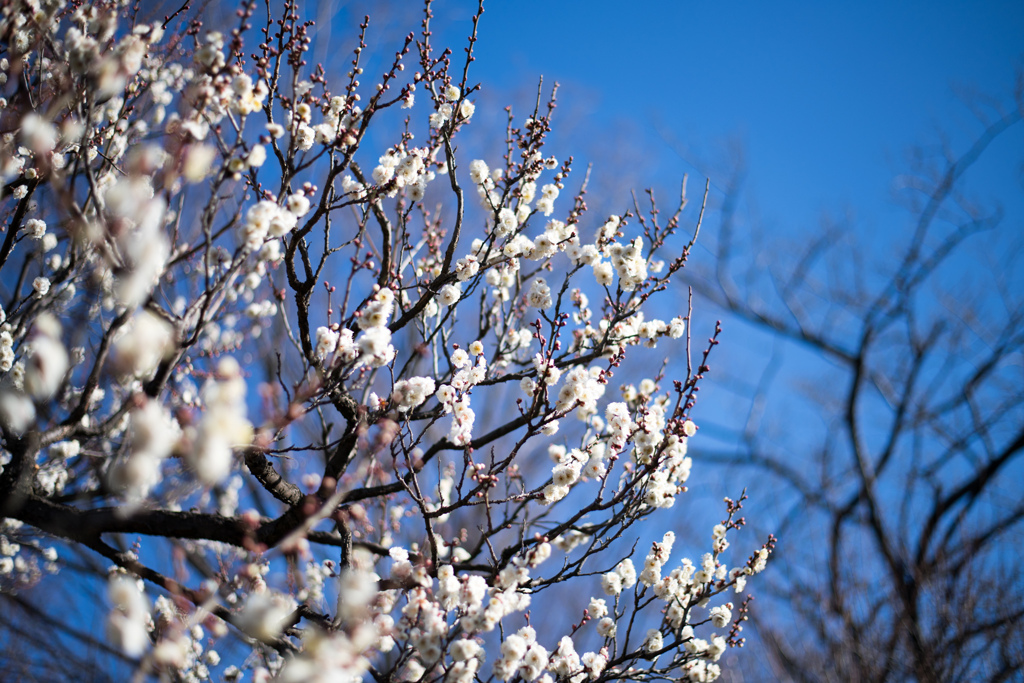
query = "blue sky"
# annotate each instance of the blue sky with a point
(823, 97)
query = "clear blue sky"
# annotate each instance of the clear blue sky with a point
(823, 97)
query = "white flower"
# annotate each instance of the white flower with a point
(466, 268)
(304, 137)
(464, 649)
(38, 134)
(539, 295)
(594, 663)
(147, 340)
(514, 647)
(715, 648)
(375, 347)
(298, 204)
(41, 285)
(654, 641)
(449, 294)
(553, 493)
(17, 411)
(144, 245)
(256, 157)
(460, 358)
(409, 393)
(507, 222)
(126, 623)
(478, 171)
(198, 161)
(153, 434)
(223, 426)
(626, 570)
(721, 615)
(35, 228)
(46, 363)
(378, 310)
(534, 662)
(382, 174)
(565, 662)
(611, 583)
(282, 222)
(264, 615)
(326, 342)
(629, 262)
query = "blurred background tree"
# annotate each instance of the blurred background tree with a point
(890, 418)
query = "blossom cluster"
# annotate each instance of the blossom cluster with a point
(331, 391)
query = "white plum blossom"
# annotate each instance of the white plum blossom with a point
(378, 310)
(291, 369)
(264, 614)
(374, 345)
(152, 437)
(619, 423)
(449, 294)
(127, 621)
(720, 615)
(143, 241)
(257, 156)
(611, 583)
(677, 328)
(466, 268)
(565, 662)
(546, 203)
(412, 392)
(539, 295)
(630, 264)
(478, 171)
(46, 361)
(17, 412)
(603, 273)
(146, 340)
(223, 426)
(266, 219)
(507, 222)
(35, 228)
(326, 341)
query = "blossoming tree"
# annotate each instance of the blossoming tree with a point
(345, 400)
